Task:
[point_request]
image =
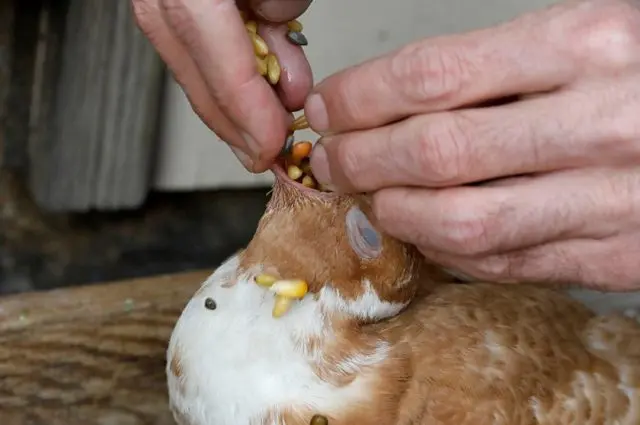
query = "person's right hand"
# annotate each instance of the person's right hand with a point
(205, 45)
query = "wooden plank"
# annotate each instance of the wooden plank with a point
(93, 148)
(90, 355)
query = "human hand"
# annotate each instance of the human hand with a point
(562, 162)
(205, 45)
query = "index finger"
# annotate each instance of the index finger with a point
(215, 36)
(446, 72)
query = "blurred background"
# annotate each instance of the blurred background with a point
(105, 171)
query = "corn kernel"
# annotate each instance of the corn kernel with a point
(290, 288)
(295, 25)
(264, 279)
(281, 306)
(294, 172)
(300, 150)
(259, 45)
(273, 69)
(262, 66)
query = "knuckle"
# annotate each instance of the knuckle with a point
(607, 33)
(428, 72)
(468, 230)
(440, 152)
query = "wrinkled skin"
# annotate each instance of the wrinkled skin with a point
(563, 204)
(206, 47)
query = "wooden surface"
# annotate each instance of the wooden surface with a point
(95, 112)
(90, 355)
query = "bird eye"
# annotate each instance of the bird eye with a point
(363, 237)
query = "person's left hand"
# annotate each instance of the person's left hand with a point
(545, 188)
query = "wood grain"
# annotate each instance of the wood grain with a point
(96, 107)
(90, 355)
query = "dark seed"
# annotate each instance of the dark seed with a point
(288, 144)
(297, 38)
(319, 420)
(210, 304)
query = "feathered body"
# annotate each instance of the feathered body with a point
(388, 340)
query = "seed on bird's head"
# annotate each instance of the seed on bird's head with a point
(210, 304)
(319, 420)
(252, 27)
(297, 38)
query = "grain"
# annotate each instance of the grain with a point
(295, 26)
(260, 47)
(273, 69)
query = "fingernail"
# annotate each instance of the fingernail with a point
(316, 112)
(252, 145)
(242, 157)
(320, 166)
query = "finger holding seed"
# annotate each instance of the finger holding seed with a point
(296, 78)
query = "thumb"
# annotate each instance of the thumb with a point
(279, 11)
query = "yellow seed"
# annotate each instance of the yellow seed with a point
(290, 288)
(273, 69)
(259, 45)
(262, 66)
(294, 172)
(295, 25)
(309, 182)
(281, 306)
(252, 27)
(299, 123)
(264, 279)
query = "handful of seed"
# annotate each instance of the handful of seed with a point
(286, 292)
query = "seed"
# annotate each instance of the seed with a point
(308, 181)
(281, 306)
(262, 66)
(288, 144)
(252, 27)
(299, 123)
(300, 150)
(259, 45)
(319, 420)
(264, 279)
(297, 38)
(273, 69)
(210, 304)
(294, 25)
(290, 288)
(294, 172)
